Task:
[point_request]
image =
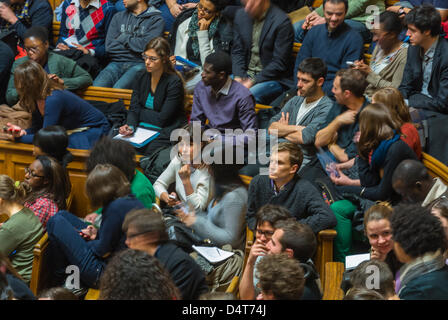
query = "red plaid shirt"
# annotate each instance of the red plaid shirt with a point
(44, 208)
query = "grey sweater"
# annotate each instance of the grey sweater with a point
(224, 223)
(299, 196)
(128, 34)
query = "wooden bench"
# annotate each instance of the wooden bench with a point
(435, 167)
(332, 285)
(39, 274)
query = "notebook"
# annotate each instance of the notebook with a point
(351, 262)
(140, 138)
(213, 254)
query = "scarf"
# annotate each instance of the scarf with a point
(21, 11)
(379, 154)
(193, 28)
(429, 262)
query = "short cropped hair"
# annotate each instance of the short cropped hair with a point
(315, 67)
(345, 2)
(106, 183)
(299, 237)
(136, 275)
(295, 153)
(220, 61)
(417, 231)
(37, 32)
(359, 277)
(146, 221)
(425, 17)
(409, 172)
(352, 80)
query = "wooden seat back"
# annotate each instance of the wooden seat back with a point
(40, 274)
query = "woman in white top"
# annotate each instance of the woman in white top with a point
(389, 57)
(190, 175)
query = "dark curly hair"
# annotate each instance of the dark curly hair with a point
(272, 213)
(281, 276)
(136, 275)
(417, 230)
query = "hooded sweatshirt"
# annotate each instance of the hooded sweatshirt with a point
(128, 34)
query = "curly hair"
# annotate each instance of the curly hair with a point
(136, 275)
(272, 213)
(281, 276)
(417, 230)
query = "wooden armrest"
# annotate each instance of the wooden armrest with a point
(327, 234)
(233, 286)
(435, 167)
(333, 277)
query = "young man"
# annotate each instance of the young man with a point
(425, 78)
(261, 51)
(224, 102)
(304, 115)
(128, 34)
(413, 182)
(298, 242)
(356, 16)
(145, 230)
(334, 41)
(59, 68)
(338, 136)
(284, 187)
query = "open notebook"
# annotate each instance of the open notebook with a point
(140, 138)
(213, 254)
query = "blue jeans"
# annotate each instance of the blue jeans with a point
(69, 248)
(119, 75)
(356, 25)
(86, 139)
(167, 16)
(266, 92)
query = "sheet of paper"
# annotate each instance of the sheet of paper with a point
(71, 41)
(353, 261)
(140, 135)
(213, 254)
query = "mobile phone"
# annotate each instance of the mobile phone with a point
(350, 63)
(171, 196)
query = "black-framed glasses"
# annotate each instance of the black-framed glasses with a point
(152, 59)
(266, 233)
(31, 173)
(205, 10)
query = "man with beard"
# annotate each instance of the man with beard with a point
(305, 114)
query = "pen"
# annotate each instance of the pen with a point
(218, 251)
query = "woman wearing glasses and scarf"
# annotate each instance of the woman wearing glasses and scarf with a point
(198, 32)
(158, 97)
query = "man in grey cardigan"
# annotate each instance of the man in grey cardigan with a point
(304, 115)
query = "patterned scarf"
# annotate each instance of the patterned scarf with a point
(193, 28)
(21, 11)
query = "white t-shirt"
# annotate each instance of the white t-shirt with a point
(305, 108)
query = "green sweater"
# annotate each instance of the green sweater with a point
(357, 9)
(18, 236)
(73, 75)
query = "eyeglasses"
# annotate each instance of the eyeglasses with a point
(266, 233)
(205, 10)
(31, 173)
(152, 59)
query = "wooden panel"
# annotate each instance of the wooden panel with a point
(107, 94)
(435, 167)
(332, 284)
(56, 29)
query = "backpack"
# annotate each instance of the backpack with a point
(219, 276)
(115, 113)
(154, 164)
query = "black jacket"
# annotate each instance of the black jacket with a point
(276, 43)
(411, 85)
(187, 275)
(221, 41)
(299, 196)
(168, 112)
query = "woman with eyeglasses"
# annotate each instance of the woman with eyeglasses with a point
(50, 187)
(158, 97)
(22, 229)
(198, 32)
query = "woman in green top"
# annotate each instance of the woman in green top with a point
(21, 231)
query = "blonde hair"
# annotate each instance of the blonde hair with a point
(12, 192)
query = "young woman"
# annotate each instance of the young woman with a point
(380, 150)
(198, 32)
(223, 222)
(393, 99)
(157, 98)
(21, 231)
(75, 242)
(378, 231)
(389, 57)
(53, 142)
(50, 187)
(51, 105)
(190, 175)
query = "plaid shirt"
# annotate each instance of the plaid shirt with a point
(44, 208)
